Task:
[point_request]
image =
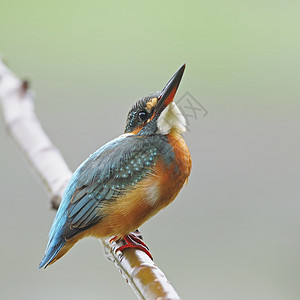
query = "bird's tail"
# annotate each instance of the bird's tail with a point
(51, 253)
(55, 250)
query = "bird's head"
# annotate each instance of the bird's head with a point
(157, 113)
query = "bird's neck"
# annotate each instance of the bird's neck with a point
(171, 120)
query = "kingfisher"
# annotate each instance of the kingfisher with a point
(128, 180)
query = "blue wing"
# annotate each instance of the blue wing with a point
(107, 173)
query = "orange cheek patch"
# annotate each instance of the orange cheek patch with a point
(137, 130)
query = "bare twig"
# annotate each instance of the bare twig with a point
(144, 277)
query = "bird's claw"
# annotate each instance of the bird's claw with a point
(133, 240)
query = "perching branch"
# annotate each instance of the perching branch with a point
(144, 277)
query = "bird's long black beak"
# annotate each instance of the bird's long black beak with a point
(168, 93)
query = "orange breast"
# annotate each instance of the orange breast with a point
(173, 178)
(146, 198)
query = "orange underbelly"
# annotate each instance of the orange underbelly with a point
(149, 196)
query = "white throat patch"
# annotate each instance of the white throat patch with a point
(171, 118)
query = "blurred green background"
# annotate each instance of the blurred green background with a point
(233, 232)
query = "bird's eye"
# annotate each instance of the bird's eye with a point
(143, 115)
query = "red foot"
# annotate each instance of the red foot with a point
(134, 241)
